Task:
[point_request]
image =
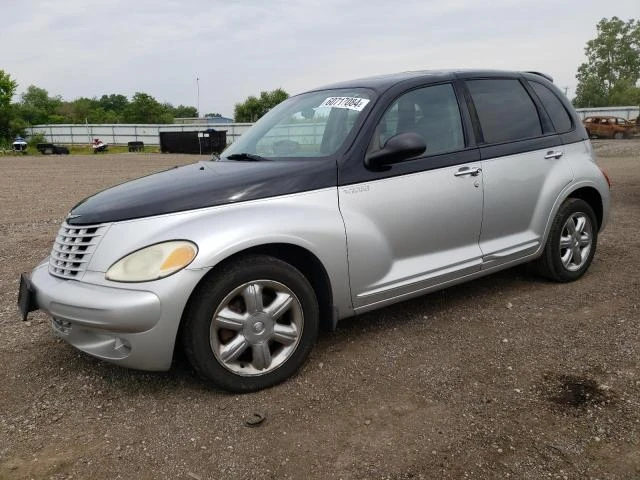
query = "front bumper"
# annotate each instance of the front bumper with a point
(132, 328)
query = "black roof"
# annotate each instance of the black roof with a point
(380, 83)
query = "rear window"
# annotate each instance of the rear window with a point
(552, 104)
(505, 110)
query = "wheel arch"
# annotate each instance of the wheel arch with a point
(588, 191)
(593, 198)
(300, 258)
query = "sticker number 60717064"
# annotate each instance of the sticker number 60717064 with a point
(351, 103)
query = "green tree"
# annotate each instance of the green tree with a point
(183, 111)
(114, 103)
(36, 107)
(610, 75)
(79, 111)
(253, 107)
(7, 90)
(143, 108)
(109, 109)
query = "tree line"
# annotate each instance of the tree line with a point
(36, 107)
(609, 77)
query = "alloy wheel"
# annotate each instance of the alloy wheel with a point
(256, 328)
(576, 240)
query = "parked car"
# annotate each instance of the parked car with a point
(609, 127)
(389, 188)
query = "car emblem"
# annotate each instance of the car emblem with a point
(71, 217)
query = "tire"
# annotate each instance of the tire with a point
(251, 324)
(571, 244)
(61, 150)
(618, 135)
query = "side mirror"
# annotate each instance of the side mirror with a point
(397, 149)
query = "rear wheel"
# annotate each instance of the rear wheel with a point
(571, 244)
(251, 324)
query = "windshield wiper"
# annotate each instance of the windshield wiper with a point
(252, 157)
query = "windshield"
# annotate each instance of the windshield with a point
(311, 125)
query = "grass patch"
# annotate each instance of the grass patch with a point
(81, 150)
(87, 149)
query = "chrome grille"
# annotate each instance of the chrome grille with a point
(73, 248)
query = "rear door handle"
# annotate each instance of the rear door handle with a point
(552, 154)
(474, 172)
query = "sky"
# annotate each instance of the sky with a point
(228, 50)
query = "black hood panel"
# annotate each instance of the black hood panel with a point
(204, 184)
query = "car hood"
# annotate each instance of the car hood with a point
(203, 184)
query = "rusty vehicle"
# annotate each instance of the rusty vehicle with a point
(609, 127)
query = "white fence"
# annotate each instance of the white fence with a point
(628, 113)
(121, 134)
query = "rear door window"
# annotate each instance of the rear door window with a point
(552, 104)
(505, 110)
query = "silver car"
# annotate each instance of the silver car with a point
(339, 201)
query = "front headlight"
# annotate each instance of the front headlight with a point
(153, 262)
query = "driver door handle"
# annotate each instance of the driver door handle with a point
(474, 172)
(552, 154)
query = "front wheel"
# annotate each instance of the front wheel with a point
(571, 244)
(251, 324)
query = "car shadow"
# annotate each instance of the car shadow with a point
(430, 304)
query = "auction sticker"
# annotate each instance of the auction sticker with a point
(351, 103)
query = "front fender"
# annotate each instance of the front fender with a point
(310, 220)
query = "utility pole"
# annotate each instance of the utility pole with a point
(198, 98)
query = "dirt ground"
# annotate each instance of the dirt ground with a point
(509, 376)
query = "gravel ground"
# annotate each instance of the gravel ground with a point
(508, 376)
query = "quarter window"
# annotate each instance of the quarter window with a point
(432, 112)
(505, 110)
(552, 104)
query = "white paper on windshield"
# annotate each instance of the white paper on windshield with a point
(350, 103)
